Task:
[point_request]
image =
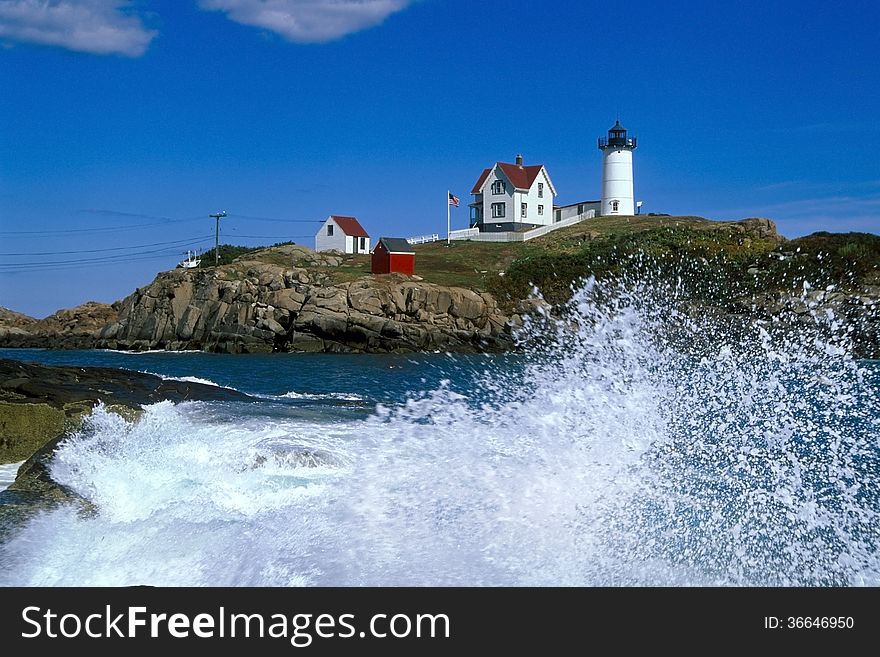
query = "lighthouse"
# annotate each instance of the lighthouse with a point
(617, 171)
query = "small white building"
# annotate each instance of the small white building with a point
(343, 234)
(572, 210)
(510, 197)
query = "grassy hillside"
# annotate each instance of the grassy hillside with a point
(736, 256)
(721, 257)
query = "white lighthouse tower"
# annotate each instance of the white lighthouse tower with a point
(617, 171)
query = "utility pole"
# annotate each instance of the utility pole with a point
(218, 216)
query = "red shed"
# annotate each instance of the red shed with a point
(394, 255)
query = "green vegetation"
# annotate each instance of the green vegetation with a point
(551, 262)
(719, 258)
(229, 252)
(596, 247)
(714, 260)
(845, 259)
(465, 264)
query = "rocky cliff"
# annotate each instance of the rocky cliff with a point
(11, 319)
(289, 299)
(71, 328)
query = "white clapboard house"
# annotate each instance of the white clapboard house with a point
(511, 197)
(343, 234)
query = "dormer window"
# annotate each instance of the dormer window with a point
(540, 190)
(498, 187)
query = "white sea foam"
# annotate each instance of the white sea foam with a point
(341, 396)
(148, 352)
(194, 379)
(189, 379)
(8, 472)
(639, 446)
(181, 502)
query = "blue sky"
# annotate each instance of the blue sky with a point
(124, 124)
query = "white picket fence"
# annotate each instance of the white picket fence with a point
(464, 234)
(511, 236)
(423, 239)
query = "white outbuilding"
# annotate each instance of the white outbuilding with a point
(343, 234)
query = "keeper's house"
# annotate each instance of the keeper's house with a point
(394, 255)
(343, 234)
(512, 197)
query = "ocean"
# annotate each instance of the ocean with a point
(610, 450)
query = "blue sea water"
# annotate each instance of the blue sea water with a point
(610, 455)
(366, 378)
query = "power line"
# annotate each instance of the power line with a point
(109, 258)
(274, 237)
(280, 221)
(114, 248)
(85, 265)
(117, 213)
(120, 259)
(164, 221)
(93, 230)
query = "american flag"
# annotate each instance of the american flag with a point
(453, 200)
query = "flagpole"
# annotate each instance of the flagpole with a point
(447, 216)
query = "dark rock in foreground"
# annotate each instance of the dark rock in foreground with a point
(58, 386)
(40, 405)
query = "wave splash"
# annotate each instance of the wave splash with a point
(640, 442)
(645, 442)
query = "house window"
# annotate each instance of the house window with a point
(329, 230)
(524, 210)
(614, 205)
(540, 209)
(497, 210)
(540, 191)
(498, 187)
(363, 243)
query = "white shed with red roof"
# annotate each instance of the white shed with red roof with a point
(343, 234)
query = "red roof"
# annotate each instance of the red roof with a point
(480, 181)
(350, 226)
(521, 177)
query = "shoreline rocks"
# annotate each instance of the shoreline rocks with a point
(71, 328)
(257, 307)
(291, 299)
(41, 405)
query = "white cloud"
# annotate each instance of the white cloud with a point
(308, 21)
(101, 27)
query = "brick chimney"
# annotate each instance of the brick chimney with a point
(519, 161)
